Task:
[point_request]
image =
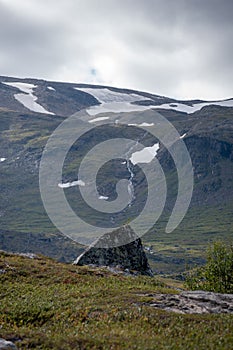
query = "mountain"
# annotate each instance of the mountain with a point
(31, 109)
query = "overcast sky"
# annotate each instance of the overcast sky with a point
(177, 48)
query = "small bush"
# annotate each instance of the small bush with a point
(217, 274)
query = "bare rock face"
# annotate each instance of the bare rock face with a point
(129, 257)
(194, 302)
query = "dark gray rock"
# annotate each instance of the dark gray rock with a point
(194, 302)
(130, 257)
(7, 345)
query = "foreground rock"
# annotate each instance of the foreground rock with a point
(195, 302)
(7, 345)
(129, 257)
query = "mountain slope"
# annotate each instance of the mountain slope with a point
(206, 128)
(66, 98)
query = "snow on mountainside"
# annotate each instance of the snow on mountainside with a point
(67, 98)
(181, 107)
(114, 101)
(27, 98)
(27, 123)
(122, 102)
(107, 96)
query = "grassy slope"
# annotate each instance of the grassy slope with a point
(187, 244)
(49, 305)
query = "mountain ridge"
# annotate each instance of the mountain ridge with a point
(49, 96)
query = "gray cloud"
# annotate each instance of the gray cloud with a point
(176, 48)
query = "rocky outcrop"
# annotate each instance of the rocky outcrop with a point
(129, 257)
(194, 302)
(7, 345)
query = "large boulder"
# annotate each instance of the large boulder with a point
(129, 257)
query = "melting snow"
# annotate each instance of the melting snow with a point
(29, 102)
(112, 101)
(225, 103)
(98, 119)
(71, 184)
(181, 137)
(142, 124)
(117, 102)
(104, 95)
(27, 98)
(103, 197)
(180, 107)
(2, 159)
(146, 124)
(146, 155)
(116, 107)
(24, 87)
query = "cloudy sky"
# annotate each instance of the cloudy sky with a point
(177, 48)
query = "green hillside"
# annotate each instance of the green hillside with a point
(50, 305)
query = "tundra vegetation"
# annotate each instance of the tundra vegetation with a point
(51, 305)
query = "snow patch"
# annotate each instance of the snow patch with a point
(146, 124)
(2, 159)
(29, 102)
(181, 107)
(27, 99)
(50, 88)
(146, 155)
(120, 107)
(182, 136)
(71, 184)
(98, 119)
(115, 102)
(142, 124)
(24, 87)
(116, 107)
(103, 197)
(225, 103)
(104, 95)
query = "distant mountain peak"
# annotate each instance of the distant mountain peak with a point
(60, 98)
